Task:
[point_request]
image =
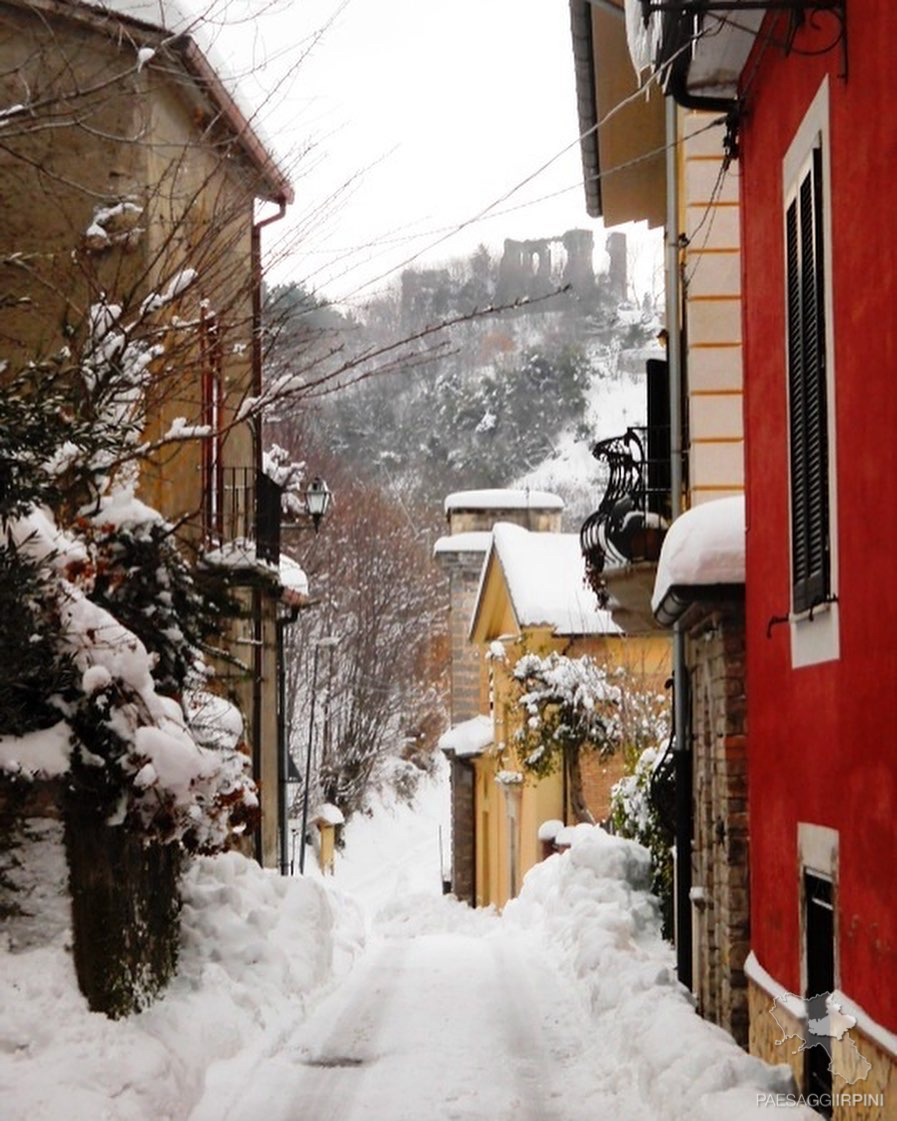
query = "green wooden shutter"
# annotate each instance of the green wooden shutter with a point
(807, 392)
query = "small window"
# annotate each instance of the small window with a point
(820, 966)
(810, 383)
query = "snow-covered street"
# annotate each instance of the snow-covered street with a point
(440, 1026)
(370, 995)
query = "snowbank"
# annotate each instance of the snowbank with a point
(593, 907)
(705, 546)
(256, 948)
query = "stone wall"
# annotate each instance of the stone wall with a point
(765, 1037)
(720, 877)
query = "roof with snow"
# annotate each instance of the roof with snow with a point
(503, 500)
(172, 25)
(476, 541)
(469, 738)
(292, 576)
(544, 574)
(703, 552)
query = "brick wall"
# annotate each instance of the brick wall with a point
(598, 777)
(715, 660)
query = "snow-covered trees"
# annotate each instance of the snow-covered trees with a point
(570, 705)
(575, 705)
(106, 622)
(381, 690)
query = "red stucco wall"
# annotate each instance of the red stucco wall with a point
(822, 741)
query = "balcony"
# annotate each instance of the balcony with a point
(242, 520)
(621, 540)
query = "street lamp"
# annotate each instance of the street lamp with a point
(326, 641)
(318, 497)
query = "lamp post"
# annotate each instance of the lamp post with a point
(318, 497)
(328, 641)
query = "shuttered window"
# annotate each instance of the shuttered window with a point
(808, 406)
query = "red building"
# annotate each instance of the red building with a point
(806, 93)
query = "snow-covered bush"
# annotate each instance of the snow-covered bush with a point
(105, 622)
(571, 705)
(635, 816)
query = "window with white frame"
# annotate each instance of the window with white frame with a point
(811, 445)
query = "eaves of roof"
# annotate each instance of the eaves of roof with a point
(584, 70)
(203, 75)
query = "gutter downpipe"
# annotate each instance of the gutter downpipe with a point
(258, 633)
(682, 907)
(283, 746)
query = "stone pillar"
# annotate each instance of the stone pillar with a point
(617, 275)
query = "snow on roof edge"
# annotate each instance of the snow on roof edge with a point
(468, 738)
(476, 541)
(704, 547)
(498, 499)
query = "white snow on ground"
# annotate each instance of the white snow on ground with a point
(255, 950)
(565, 1008)
(395, 851)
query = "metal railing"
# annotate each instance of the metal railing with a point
(631, 520)
(244, 504)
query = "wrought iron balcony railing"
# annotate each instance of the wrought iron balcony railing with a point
(630, 522)
(244, 505)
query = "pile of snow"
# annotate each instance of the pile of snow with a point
(256, 949)
(594, 910)
(704, 547)
(414, 916)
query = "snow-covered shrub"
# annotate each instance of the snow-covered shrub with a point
(142, 576)
(105, 620)
(570, 705)
(635, 816)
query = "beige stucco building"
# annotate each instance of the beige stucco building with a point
(135, 191)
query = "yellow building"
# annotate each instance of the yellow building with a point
(531, 599)
(134, 183)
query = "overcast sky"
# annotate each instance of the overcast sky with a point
(433, 113)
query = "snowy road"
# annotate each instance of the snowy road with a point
(441, 1027)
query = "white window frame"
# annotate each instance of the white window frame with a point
(817, 852)
(815, 634)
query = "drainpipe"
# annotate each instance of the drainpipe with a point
(682, 903)
(255, 253)
(283, 746)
